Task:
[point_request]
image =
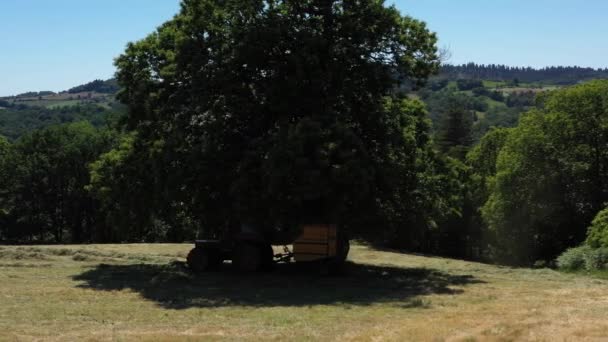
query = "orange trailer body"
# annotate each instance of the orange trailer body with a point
(317, 242)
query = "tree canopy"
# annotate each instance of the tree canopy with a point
(551, 174)
(44, 196)
(281, 111)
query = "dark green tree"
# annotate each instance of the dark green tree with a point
(6, 183)
(277, 112)
(481, 160)
(455, 128)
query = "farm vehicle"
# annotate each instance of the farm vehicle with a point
(250, 249)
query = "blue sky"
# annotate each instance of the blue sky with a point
(54, 45)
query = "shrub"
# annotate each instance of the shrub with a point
(597, 235)
(596, 259)
(584, 257)
(574, 258)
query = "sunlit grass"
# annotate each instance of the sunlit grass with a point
(144, 292)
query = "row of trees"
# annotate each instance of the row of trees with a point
(521, 194)
(100, 86)
(548, 75)
(44, 175)
(19, 119)
(70, 183)
(551, 174)
(530, 191)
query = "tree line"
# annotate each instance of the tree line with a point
(100, 86)
(303, 121)
(565, 75)
(19, 119)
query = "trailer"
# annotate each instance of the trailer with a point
(251, 251)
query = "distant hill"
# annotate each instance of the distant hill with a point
(98, 92)
(495, 95)
(18, 120)
(36, 93)
(559, 75)
(93, 102)
(104, 87)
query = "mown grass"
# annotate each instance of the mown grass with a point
(597, 274)
(144, 292)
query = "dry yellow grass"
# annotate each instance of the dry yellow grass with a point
(143, 292)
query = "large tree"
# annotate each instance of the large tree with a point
(282, 111)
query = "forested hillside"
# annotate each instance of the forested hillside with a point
(93, 102)
(564, 75)
(16, 121)
(105, 87)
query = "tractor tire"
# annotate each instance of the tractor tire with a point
(267, 258)
(215, 259)
(343, 247)
(248, 257)
(198, 260)
(335, 265)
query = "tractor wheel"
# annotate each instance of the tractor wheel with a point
(215, 259)
(267, 254)
(335, 265)
(248, 257)
(343, 247)
(198, 260)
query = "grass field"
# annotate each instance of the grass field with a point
(144, 292)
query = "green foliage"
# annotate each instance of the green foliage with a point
(295, 121)
(468, 84)
(488, 108)
(521, 99)
(147, 214)
(550, 175)
(45, 197)
(573, 259)
(584, 258)
(482, 161)
(492, 94)
(105, 87)
(6, 174)
(482, 157)
(5, 156)
(454, 132)
(35, 94)
(441, 102)
(597, 234)
(437, 84)
(514, 75)
(596, 259)
(496, 117)
(18, 120)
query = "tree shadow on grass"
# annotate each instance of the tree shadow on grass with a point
(174, 287)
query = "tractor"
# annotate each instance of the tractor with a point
(250, 248)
